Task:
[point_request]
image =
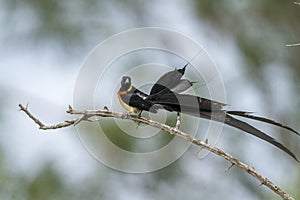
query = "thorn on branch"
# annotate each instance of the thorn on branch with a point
(206, 142)
(263, 182)
(228, 168)
(250, 169)
(70, 109)
(105, 108)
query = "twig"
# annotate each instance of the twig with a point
(84, 115)
(43, 126)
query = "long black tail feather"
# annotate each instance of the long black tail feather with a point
(262, 119)
(231, 121)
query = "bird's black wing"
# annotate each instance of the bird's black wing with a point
(137, 99)
(170, 80)
(188, 102)
(182, 86)
(182, 102)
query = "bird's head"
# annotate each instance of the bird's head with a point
(126, 84)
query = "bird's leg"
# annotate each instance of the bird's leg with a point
(206, 142)
(178, 118)
(139, 115)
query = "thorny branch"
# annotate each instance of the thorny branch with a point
(86, 114)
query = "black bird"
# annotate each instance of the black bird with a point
(165, 94)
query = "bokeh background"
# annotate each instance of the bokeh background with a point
(43, 44)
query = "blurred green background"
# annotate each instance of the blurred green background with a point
(43, 44)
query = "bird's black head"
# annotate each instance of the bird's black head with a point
(125, 84)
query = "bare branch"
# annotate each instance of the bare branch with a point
(43, 126)
(86, 114)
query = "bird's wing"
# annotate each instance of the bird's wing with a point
(182, 86)
(137, 100)
(181, 102)
(169, 80)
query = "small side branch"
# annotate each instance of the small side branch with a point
(43, 126)
(86, 114)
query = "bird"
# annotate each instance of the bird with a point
(166, 94)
